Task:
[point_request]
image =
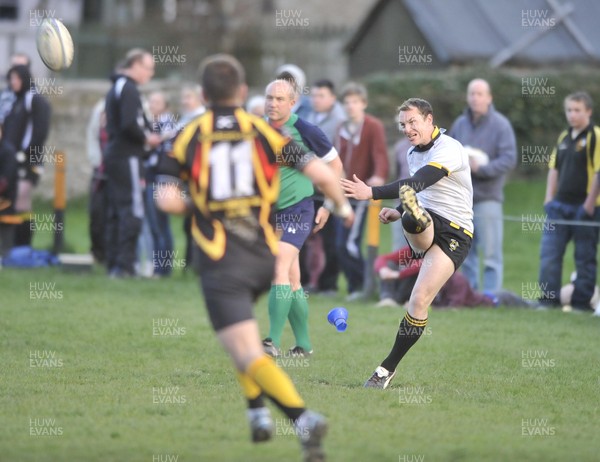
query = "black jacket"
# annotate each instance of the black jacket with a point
(27, 124)
(25, 129)
(125, 120)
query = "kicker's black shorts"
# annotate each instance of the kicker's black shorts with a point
(454, 240)
(232, 284)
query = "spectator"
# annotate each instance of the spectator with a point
(398, 272)
(163, 123)
(321, 256)
(128, 134)
(192, 106)
(302, 107)
(401, 156)
(7, 96)
(362, 147)
(566, 294)
(326, 111)
(256, 105)
(482, 129)
(96, 138)
(572, 194)
(25, 131)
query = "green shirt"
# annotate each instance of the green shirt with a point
(294, 185)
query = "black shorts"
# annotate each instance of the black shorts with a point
(454, 240)
(232, 285)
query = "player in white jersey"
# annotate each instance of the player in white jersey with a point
(437, 218)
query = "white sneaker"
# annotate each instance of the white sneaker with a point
(381, 378)
(386, 302)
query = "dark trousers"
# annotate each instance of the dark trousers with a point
(97, 211)
(125, 213)
(397, 289)
(555, 238)
(348, 246)
(160, 229)
(329, 276)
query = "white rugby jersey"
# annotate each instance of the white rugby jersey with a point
(452, 196)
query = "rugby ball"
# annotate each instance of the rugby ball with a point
(478, 155)
(54, 44)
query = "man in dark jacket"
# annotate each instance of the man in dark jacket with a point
(128, 136)
(21, 156)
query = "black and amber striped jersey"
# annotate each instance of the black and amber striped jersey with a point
(577, 161)
(229, 159)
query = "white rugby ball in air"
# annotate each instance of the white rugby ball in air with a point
(54, 44)
(478, 155)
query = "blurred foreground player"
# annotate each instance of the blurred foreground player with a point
(229, 159)
(437, 201)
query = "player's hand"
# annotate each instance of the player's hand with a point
(388, 215)
(153, 139)
(589, 208)
(356, 188)
(321, 219)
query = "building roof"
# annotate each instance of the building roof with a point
(523, 30)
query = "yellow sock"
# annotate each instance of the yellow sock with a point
(274, 382)
(249, 387)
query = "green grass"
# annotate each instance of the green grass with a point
(461, 394)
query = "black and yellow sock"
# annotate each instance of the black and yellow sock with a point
(251, 391)
(277, 385)
(408, 333)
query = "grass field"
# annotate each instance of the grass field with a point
(104, 370)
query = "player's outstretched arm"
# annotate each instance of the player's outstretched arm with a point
(356, 188)
(423, 178)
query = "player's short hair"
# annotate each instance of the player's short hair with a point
(421, 105)
(221, 76)
(289, 78)
(135, 55)
(581, 96)
(356, 89)
(325, 83)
